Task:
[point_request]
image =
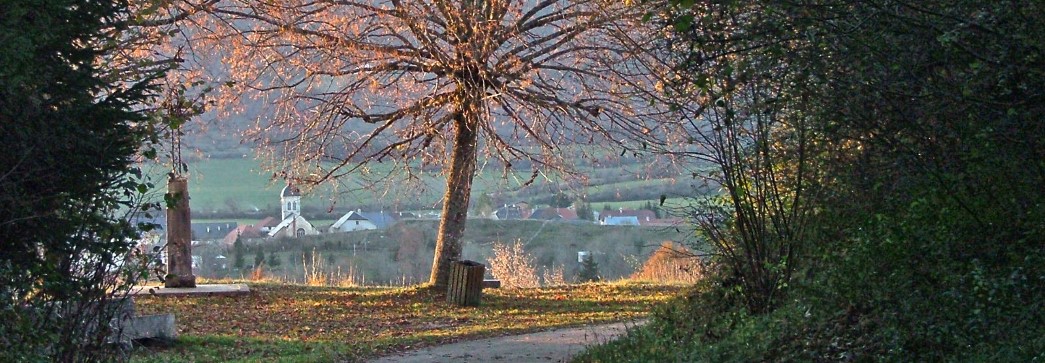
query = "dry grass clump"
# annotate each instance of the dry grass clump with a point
(315, 274)
(257, 274)
(554, 276)
(671, 263)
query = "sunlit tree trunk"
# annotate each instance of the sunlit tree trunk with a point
(455, 202)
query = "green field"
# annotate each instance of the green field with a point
(243, 187)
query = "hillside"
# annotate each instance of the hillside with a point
(241, 188)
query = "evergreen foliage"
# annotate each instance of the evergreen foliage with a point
(69, 127)
(259, 257)
(589, 271)
(560, 200)
(584, 210)
(238, 251)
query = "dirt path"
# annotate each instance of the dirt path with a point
(550, 346)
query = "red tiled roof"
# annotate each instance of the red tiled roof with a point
(248, 231)
(567, 214)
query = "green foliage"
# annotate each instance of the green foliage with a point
(69, 128)
(656, 209)
(259, 257)
(238, 251)
(560, 200)
(928, 247)
(275, 261)
(589, 271)
(584, 210)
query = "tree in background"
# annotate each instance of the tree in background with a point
(238, 251)
(584, 210)
(70, 123)
(259, 257)
(420, 83)
(655, 209)
(560, 200)
(589, 271)
(274, 260)
(484, 205)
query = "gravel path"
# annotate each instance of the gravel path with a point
(550, 346)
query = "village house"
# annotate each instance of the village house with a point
(520, 210)
(358, 220)
(621, 221)
(256, 230)
(211, 231)
(625, 217)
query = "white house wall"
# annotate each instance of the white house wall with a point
(356, 225)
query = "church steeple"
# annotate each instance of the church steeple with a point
(290, 201)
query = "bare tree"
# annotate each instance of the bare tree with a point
(419, 83)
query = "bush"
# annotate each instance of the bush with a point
(671, 263)
(69, 128)
(589, 271)
(513, 266)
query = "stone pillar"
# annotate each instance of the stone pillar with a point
(179, 234)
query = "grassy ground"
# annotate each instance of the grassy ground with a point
(279, 322)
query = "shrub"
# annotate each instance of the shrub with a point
(70, 125)
(513, 266)
(554, 276)
(671, 263)
(589, 270)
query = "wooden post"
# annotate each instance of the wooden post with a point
(465, 286)
(179, 234)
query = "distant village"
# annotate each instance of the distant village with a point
(291, 224)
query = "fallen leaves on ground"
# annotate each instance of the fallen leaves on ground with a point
(306, 323)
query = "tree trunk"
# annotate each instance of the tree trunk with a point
(179, 235)
(455, 201)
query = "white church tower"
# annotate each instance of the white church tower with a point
(290, 199)
(293, 224)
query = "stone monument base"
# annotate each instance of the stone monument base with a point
(180, 281)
